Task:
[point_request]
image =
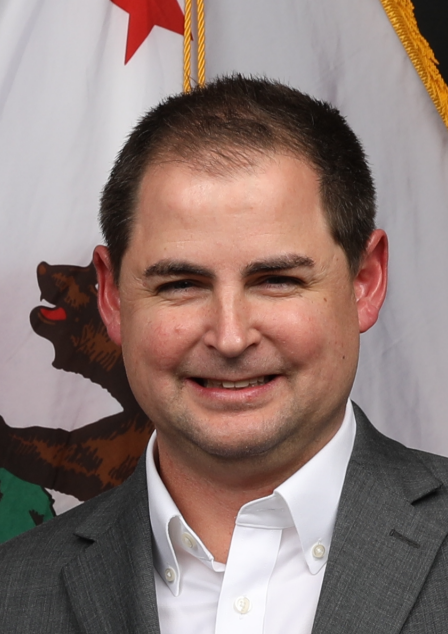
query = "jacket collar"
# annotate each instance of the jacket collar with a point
(111, 582)
(392, 519)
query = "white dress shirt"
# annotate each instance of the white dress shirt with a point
(276, 563)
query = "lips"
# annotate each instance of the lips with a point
(235, 385)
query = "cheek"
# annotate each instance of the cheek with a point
(314, 330)
(300, 329)
(158, 342)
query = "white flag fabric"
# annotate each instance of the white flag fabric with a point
(68, 100)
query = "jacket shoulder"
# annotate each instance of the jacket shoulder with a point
(31, 588)
(413, 474)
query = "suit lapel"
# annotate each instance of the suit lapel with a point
(111, 583)
(384, 542)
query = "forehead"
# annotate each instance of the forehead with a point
(273, 201)
(168, 181)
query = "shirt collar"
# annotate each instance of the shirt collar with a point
(313, 493)
(308, 500)
(162, 510)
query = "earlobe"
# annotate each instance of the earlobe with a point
(108, 294)
(370, 283)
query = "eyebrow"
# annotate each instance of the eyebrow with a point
(278, 263)
(168, 267)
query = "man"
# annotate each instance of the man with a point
(242, 262)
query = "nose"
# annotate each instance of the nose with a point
(231, 328)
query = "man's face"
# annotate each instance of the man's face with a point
(236, 311)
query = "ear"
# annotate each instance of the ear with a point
(370, 283)
(108, 294)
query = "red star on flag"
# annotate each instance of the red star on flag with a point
(144, 15)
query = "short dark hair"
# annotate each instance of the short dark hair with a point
(222, 124)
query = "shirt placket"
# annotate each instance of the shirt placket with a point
(242, 601)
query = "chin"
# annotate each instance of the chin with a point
(238, 447)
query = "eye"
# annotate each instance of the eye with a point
(281, 281)
(178, 287)
(279, 285)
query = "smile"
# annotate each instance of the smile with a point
(235, 385)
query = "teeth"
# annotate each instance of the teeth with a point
(236, 385)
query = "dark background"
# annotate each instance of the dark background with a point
(432, 19)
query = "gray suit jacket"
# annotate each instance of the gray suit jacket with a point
(90, 570)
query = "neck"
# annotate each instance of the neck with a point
(209, 492)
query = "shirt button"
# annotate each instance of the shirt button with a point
(318, 551)
(242, 605)
(170, 575)
(188, 540)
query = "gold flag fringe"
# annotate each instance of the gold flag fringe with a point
(187, 43)
(401, 15)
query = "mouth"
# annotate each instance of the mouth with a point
(53, 314)
(234, 385)
(50, 312)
